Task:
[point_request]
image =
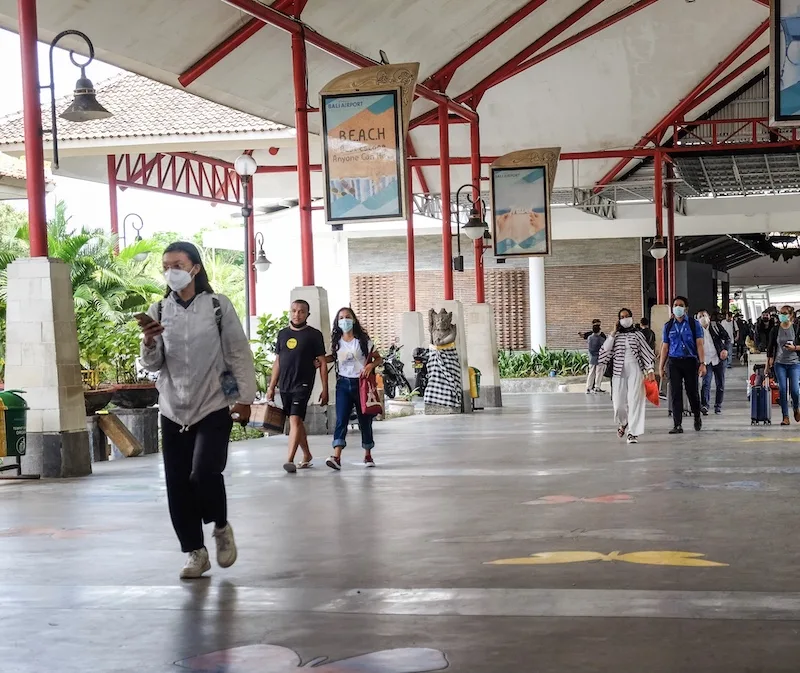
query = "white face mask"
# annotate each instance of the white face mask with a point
(705, 321)
(626, 322)
(177, 279)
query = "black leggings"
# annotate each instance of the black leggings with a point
(193, 463)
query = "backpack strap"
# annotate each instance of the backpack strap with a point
(160, 309)
(217, 312)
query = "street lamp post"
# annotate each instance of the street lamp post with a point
(84, 106)
(137, 227)
(474, 228)
(245, 167)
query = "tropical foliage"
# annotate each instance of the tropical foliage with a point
(108, 288)
(515, 365)
(266, 338)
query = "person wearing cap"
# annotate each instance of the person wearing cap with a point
(595, 323)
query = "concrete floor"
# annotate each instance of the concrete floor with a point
(396, 560)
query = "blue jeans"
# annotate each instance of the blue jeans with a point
(346, 398)
(718, 372)
(788, 375)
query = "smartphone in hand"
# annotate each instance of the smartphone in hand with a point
(143, 319)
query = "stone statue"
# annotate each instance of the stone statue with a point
(441, 327)
(443, 392)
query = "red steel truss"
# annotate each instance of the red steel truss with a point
(656, 134)
(183, 174)
(441, 78)
(312, 37)
(514, 67)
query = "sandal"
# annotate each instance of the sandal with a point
(305, 465)
(621, 431)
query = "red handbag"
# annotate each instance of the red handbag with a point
(368, 394)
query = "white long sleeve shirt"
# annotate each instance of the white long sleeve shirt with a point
(710, 355)
(192, 354)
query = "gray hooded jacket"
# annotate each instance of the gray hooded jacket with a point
(191, 355)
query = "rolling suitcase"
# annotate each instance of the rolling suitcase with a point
(687, 409)
(760, 401)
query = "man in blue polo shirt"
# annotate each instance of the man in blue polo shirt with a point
(681, 342)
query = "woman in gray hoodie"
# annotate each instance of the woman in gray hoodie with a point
(206, 379)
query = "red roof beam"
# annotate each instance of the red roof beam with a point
(473, 95)
(490, 80)
(654, 135)
(575, 39)
(312, 37)
(725, 81)
(441, 78)
(228, 45)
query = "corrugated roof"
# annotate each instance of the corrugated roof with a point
(142, 107)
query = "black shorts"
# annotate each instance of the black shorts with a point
(295, 403)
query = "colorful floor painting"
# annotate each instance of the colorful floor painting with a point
(647, 534)
(566, 499)
(679, 484)
(276, 659)
(655, 558)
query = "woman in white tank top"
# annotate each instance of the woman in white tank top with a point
(355, 357)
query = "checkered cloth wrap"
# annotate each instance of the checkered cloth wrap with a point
(444, 377)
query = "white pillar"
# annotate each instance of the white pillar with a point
(42, 359)
(412, 335)
(537, 302)
(319, 420)
(482, 352)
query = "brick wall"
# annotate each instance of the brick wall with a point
(578, 294)
(584, 279)
(380, 298)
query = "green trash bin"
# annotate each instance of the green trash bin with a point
(14, 426)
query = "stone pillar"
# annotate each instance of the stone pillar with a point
(412, 336)
(42, 359)
(537, 303)
(482, 352)
(457, 309)
(143, 424)
(319, 420)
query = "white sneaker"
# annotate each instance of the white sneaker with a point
(632, 439)
(226, 546)
(196, 564)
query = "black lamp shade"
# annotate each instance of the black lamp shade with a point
(84, 106)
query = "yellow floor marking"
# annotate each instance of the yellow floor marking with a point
(771, 439)
(657, 558)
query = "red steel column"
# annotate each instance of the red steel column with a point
(113, 211)
(475, 163)
(671, 251)
(412, 272)
(444, 171)
(32, 116)
(658, 198)
(250, 253)
(303, 158)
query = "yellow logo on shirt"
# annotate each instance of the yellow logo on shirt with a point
(291, 344)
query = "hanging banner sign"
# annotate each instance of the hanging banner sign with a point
(365, 117)
(521, 184)
(784, 71)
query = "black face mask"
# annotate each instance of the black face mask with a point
(298, 325)
(596, 329)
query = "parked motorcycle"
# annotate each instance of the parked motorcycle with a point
(393, 379)
(420, 367)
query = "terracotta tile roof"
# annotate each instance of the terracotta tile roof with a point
(11, 167)
(144, 108)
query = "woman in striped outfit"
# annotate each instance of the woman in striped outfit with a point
(633, 360)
